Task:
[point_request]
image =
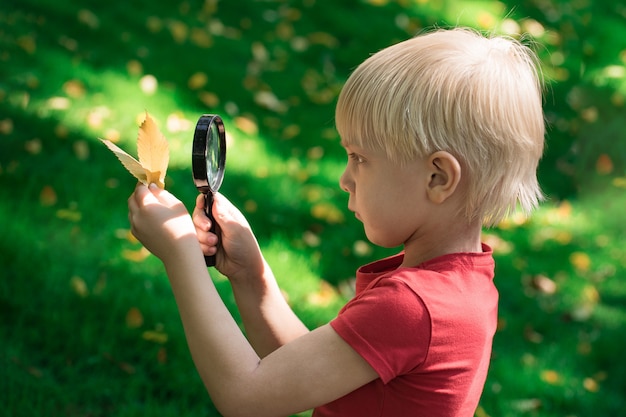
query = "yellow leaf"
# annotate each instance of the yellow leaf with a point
(134, 318)
(362, 248)
(79, 286)
(591, 385)
(550, 376)
(33, 146)
(89, 18)
(48, 197)
(136, 255)
(209, 99)
(6, 126)
(251, 206)
(580, 261)
(323, 38)
(564, 209)
(155, 336)
(162, 355)
(619, 182)
(324, 296)
(544, 285)
(74, 89)
(604, 164)
(197, 80)
(247, 125)
(134, 67)
(153, 151)
(81, 150)
(27, 43)
(179, 31)
(131, 164)
(69, 214)
(328, 212)
(590, 294)
(201, 38)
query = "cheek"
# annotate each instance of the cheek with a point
(387, 223)
(392, 215)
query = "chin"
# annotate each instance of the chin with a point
(381, 241)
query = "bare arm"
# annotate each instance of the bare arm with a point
(267, 318)
(310, 370)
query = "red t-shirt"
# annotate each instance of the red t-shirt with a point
(427, 332)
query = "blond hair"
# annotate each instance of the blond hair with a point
(476, 97)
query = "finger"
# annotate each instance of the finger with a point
(208, 250)
(143, 196)
(163, 196)
(200, 201)
(200, 219)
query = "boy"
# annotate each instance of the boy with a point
(443, 134)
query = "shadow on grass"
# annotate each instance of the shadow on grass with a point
(72, 342)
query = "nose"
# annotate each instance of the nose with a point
(345, 181)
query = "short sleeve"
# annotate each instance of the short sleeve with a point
(388, 325)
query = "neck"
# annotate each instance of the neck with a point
(441, 241)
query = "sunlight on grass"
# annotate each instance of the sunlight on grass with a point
(82, 297)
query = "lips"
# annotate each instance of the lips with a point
(352, 209)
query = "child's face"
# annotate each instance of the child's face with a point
(389, 198)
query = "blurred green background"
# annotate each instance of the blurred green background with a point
(88, 326)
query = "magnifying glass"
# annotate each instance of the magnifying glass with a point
(208, 158)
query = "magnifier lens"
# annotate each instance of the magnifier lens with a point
(212, 155)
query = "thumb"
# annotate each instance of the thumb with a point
(225, 211)
(165, 197)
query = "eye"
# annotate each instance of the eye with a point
(356, 158)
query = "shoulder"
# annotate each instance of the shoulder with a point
(392, 294)
(388, 325)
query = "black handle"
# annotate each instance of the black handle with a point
(208, 206)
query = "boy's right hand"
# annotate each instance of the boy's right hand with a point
(237, 252)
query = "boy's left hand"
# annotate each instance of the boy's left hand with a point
(158, 220)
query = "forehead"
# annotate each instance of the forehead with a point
(355, 146)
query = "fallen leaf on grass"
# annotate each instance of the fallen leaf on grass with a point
(153, 151)
(581, 261)
(604, 164)
(591, 385)
(550, 376)
(162, 355)
(136, 255)
(47, 196)
(71, 215)
(6, 126)
(246, 125)
(79, 286)
(134, 318)
(324, 296)
(328, 212)
(155, 336)
(527, 405)
(543, 284)
(124, 366)
(197, 80)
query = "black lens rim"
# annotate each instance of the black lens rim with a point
(200, 149)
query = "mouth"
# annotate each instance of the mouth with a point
(356, 214)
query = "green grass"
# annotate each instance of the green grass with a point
(88, 326)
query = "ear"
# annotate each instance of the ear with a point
(445, 176)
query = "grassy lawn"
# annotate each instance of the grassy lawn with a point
(88, 326)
